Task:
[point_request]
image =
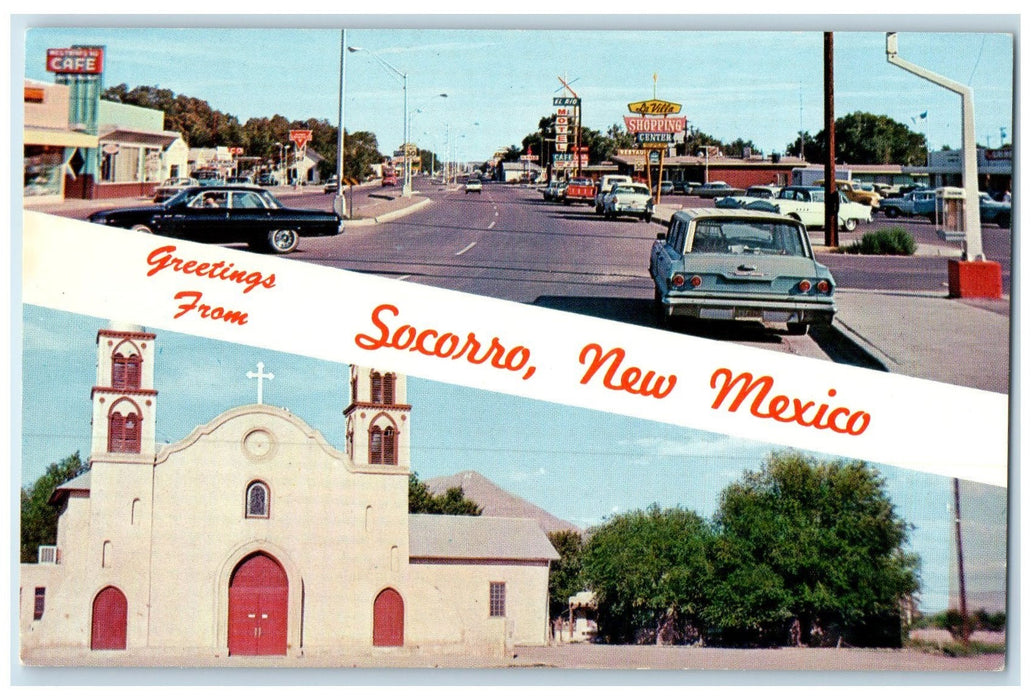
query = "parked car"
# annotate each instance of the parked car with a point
(605, 184)
(239, 180)
(331, 185)
(751, 194)
(554, 191)
(666, 187)
(914, 203)
(740, 265)
(992, 212)
(856, 192)
(806, 204)
(716, 189)
(172, 186)
(226, 214)
(268, 180)
(474, 185)
(687, 187)
(629, 200)
(390, 180)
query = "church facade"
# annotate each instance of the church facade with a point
(253, 535)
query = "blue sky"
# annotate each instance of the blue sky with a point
(759, 85)
(578, 464)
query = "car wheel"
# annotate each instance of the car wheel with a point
(798, 328)
(647, 218)
(851, 224)
(598, 210)
(142, 229)
(1003, 221)
(891, 212)
(282, 241)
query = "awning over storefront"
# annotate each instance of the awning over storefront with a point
(58, 137)
(160, 139)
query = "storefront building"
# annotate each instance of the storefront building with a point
(50, 144)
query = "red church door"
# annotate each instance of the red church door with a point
(388, 619)
(258, 595)
(110, 612)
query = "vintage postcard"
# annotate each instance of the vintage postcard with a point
(380, 346)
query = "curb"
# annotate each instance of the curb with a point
(388, 216)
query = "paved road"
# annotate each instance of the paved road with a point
(509, 243)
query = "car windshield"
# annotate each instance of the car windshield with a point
(738, 236)
(631, 189)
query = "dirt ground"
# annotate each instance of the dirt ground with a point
(519, 662)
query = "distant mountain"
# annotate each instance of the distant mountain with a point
(496, 501)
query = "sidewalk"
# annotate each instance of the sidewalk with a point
(924, 334)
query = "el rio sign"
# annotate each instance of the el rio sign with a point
(77, 60)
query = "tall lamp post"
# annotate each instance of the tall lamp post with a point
(406, 190)
(338, 201)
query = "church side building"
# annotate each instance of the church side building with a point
(254, 536)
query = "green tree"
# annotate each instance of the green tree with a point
(38, 515)
(649, 573)
(566, 576)
(807, 552)
(451, 502)
(862, 138)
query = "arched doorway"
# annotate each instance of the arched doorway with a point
(110, 612)
(258, 594)
(388, 619)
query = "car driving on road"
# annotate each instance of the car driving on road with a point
(226, 214)
(740, 265)
(629, 200)
(474, 185)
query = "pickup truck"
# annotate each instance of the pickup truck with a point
(806, 204)
(580, 189)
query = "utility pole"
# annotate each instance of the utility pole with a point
(830, 184)
(964, 626)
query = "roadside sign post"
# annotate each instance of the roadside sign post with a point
(655, 129)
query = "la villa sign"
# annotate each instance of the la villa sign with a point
(654, 107)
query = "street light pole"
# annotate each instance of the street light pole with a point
(338, 202)
(406, 190)
(972, 249)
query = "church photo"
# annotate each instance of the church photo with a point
(252, 535)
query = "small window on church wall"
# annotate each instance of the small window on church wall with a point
(133, 514)
(382, 445)
(376, 386)
(388, 388)
(123, 433)
(125, 372)
(105, 555)
(368, 518)
(497, 598)
(39, 603)
(257, 500)
(395, 559)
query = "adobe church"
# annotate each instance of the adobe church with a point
(253, 535)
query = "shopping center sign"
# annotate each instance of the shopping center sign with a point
(665, 125)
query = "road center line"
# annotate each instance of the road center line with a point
(491, 224)
(466, 249)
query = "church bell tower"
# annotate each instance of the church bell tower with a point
(378, 419)
(124, 398)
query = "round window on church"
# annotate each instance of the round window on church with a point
(259, 444)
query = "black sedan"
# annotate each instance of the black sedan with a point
(226, 214)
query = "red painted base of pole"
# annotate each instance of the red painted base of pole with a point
(970, 279)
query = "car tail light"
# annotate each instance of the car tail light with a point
(805, 286)
(696, 281)
(677, 280)
(823, 286)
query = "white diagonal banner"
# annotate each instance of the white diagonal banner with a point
(514, 348)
